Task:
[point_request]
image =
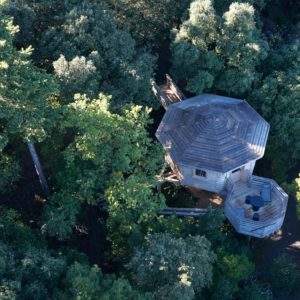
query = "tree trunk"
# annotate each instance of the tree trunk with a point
(38, 168)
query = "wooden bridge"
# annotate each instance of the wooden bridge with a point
(167, 93)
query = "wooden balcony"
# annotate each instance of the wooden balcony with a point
(240, 214)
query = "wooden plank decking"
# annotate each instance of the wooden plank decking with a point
(167, 93)
(240, 214)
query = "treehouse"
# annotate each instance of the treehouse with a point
(212, 143)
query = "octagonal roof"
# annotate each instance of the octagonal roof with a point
(213, 132)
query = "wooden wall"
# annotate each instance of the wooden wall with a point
(214, 181)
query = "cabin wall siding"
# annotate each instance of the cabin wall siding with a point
(250, 166)
(213, 182)
(243, 175)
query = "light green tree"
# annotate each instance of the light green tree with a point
(211, 53)
(27, 100)
(242, 49)
(195, 62)
(105, 144)
(133, 209)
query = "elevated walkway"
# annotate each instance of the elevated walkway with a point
(167, 93)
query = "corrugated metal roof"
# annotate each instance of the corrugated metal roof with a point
(213, 132)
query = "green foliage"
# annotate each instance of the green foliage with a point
(60, 214)
(149, 21)
(242, 47)
(14, 232)
(27, 269)
(194, 60)
(256, 291)
(229, 271)
(77, 75)
(132, 209)
(120, 289)
(223, 5)
(83, 281)
(210, 225)
(297, 194)
(284, 275)
(88, 283)
(96, 156)
(96, 55)
(220, 54)
(105, 144)
(166, 262)
(278, 99)
(26, 110)
(9, 173)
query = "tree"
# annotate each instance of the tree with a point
(210, 225)
(33, 18)
(193, 57)
(277, 99)
(214, 54)
(105, 144)
(257, 291)
(26, 92)
(89, 40)
(9, 172)
(151, 21)
(243, 49)
(223, 5)
(84, 282)
(77, 75)
(133, 212)
(29, 270)
(230, 270)
(27, 100)
(297, 194)
(165, 262)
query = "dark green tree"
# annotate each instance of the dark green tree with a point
(166, 262)
(277, 97)
(86, 44)
(149, 22)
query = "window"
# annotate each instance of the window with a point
(199, 172)
(236, 170)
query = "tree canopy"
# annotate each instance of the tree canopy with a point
(75, 81)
